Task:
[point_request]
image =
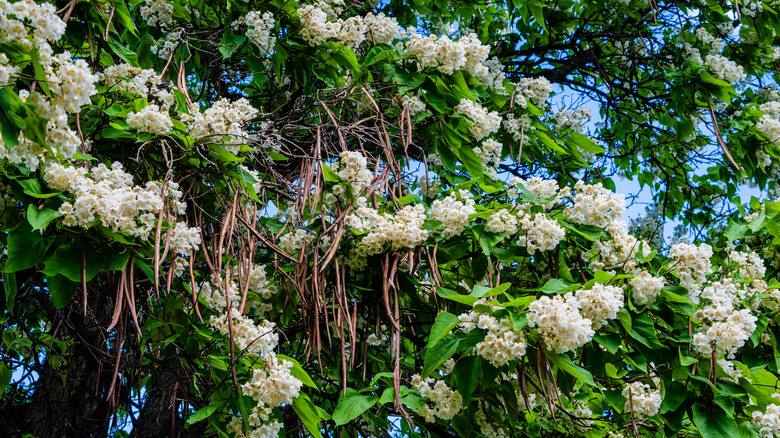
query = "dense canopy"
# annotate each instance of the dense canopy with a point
(389, 218)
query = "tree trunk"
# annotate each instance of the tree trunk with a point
(69, 401)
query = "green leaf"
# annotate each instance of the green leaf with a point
(298, 372)
(445, 322)
(625, 319)
(735, 231)
(329, 174)
(308, 414)
(484, 291)
(471, 161)
(5, 377)
(33, 188)
(61, 290)
(40, 75)
(10, 289)
(40, 218)
(466, 374)
(488, 241)
(714, 423)
(537, 10)
(564, 363)
(584, 142)
(591, 233)
(675, 395)
(643, 330)
(557, 285)
(438, 353)
(67, 260)
(202, 414)
(25, 248)
(124, 16)
(550, 143)
(351, 406)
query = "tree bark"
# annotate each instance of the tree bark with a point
(69, 401)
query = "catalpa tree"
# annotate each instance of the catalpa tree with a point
(398, 218)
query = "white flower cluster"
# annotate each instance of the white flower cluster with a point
(142, 82)
(518, 128)
(7, 72)
(260, 27)
(560, 322)
(729, 334)
(485, 122)
(446, 55)
(69, 80)
(71, 85)
(768, 422)
(45, 23)
(574, 120)
(593, 205)
(255, 339)
(452, 213)
(706, 38)
(600, 304)
(271, 385)
(413, 102)
(316, 27)
(382, 29)
(216, 298)
(400, 230)
(502, 221)
(619, 252)
(750, 265)
(770, 127)
(691, 264)
(646, 287)
(501, 344)
(490, 156)
(150, 119)
(164, 46)
(446, 402)
(486, 428)
(293, 241)
(491, 74)
(223, 118)
(378, 339)
(539, 187)
(641, 399)
(274, 386)
(725, 69)
(723, 325)
(541, 232)
(110, 196)
(353, 168)
(157, 12)
(537, 90)
(26, 152)
(731, 371)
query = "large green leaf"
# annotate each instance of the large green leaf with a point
(564, 363)
(714, 423)
(445, 322)
(466, 374)
(308, 414)
(438, 353)
(61, 289)
(351, 406)
(26, 247)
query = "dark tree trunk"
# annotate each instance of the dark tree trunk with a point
(160, 416)
(70, 400)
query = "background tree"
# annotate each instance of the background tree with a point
(293, 218)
